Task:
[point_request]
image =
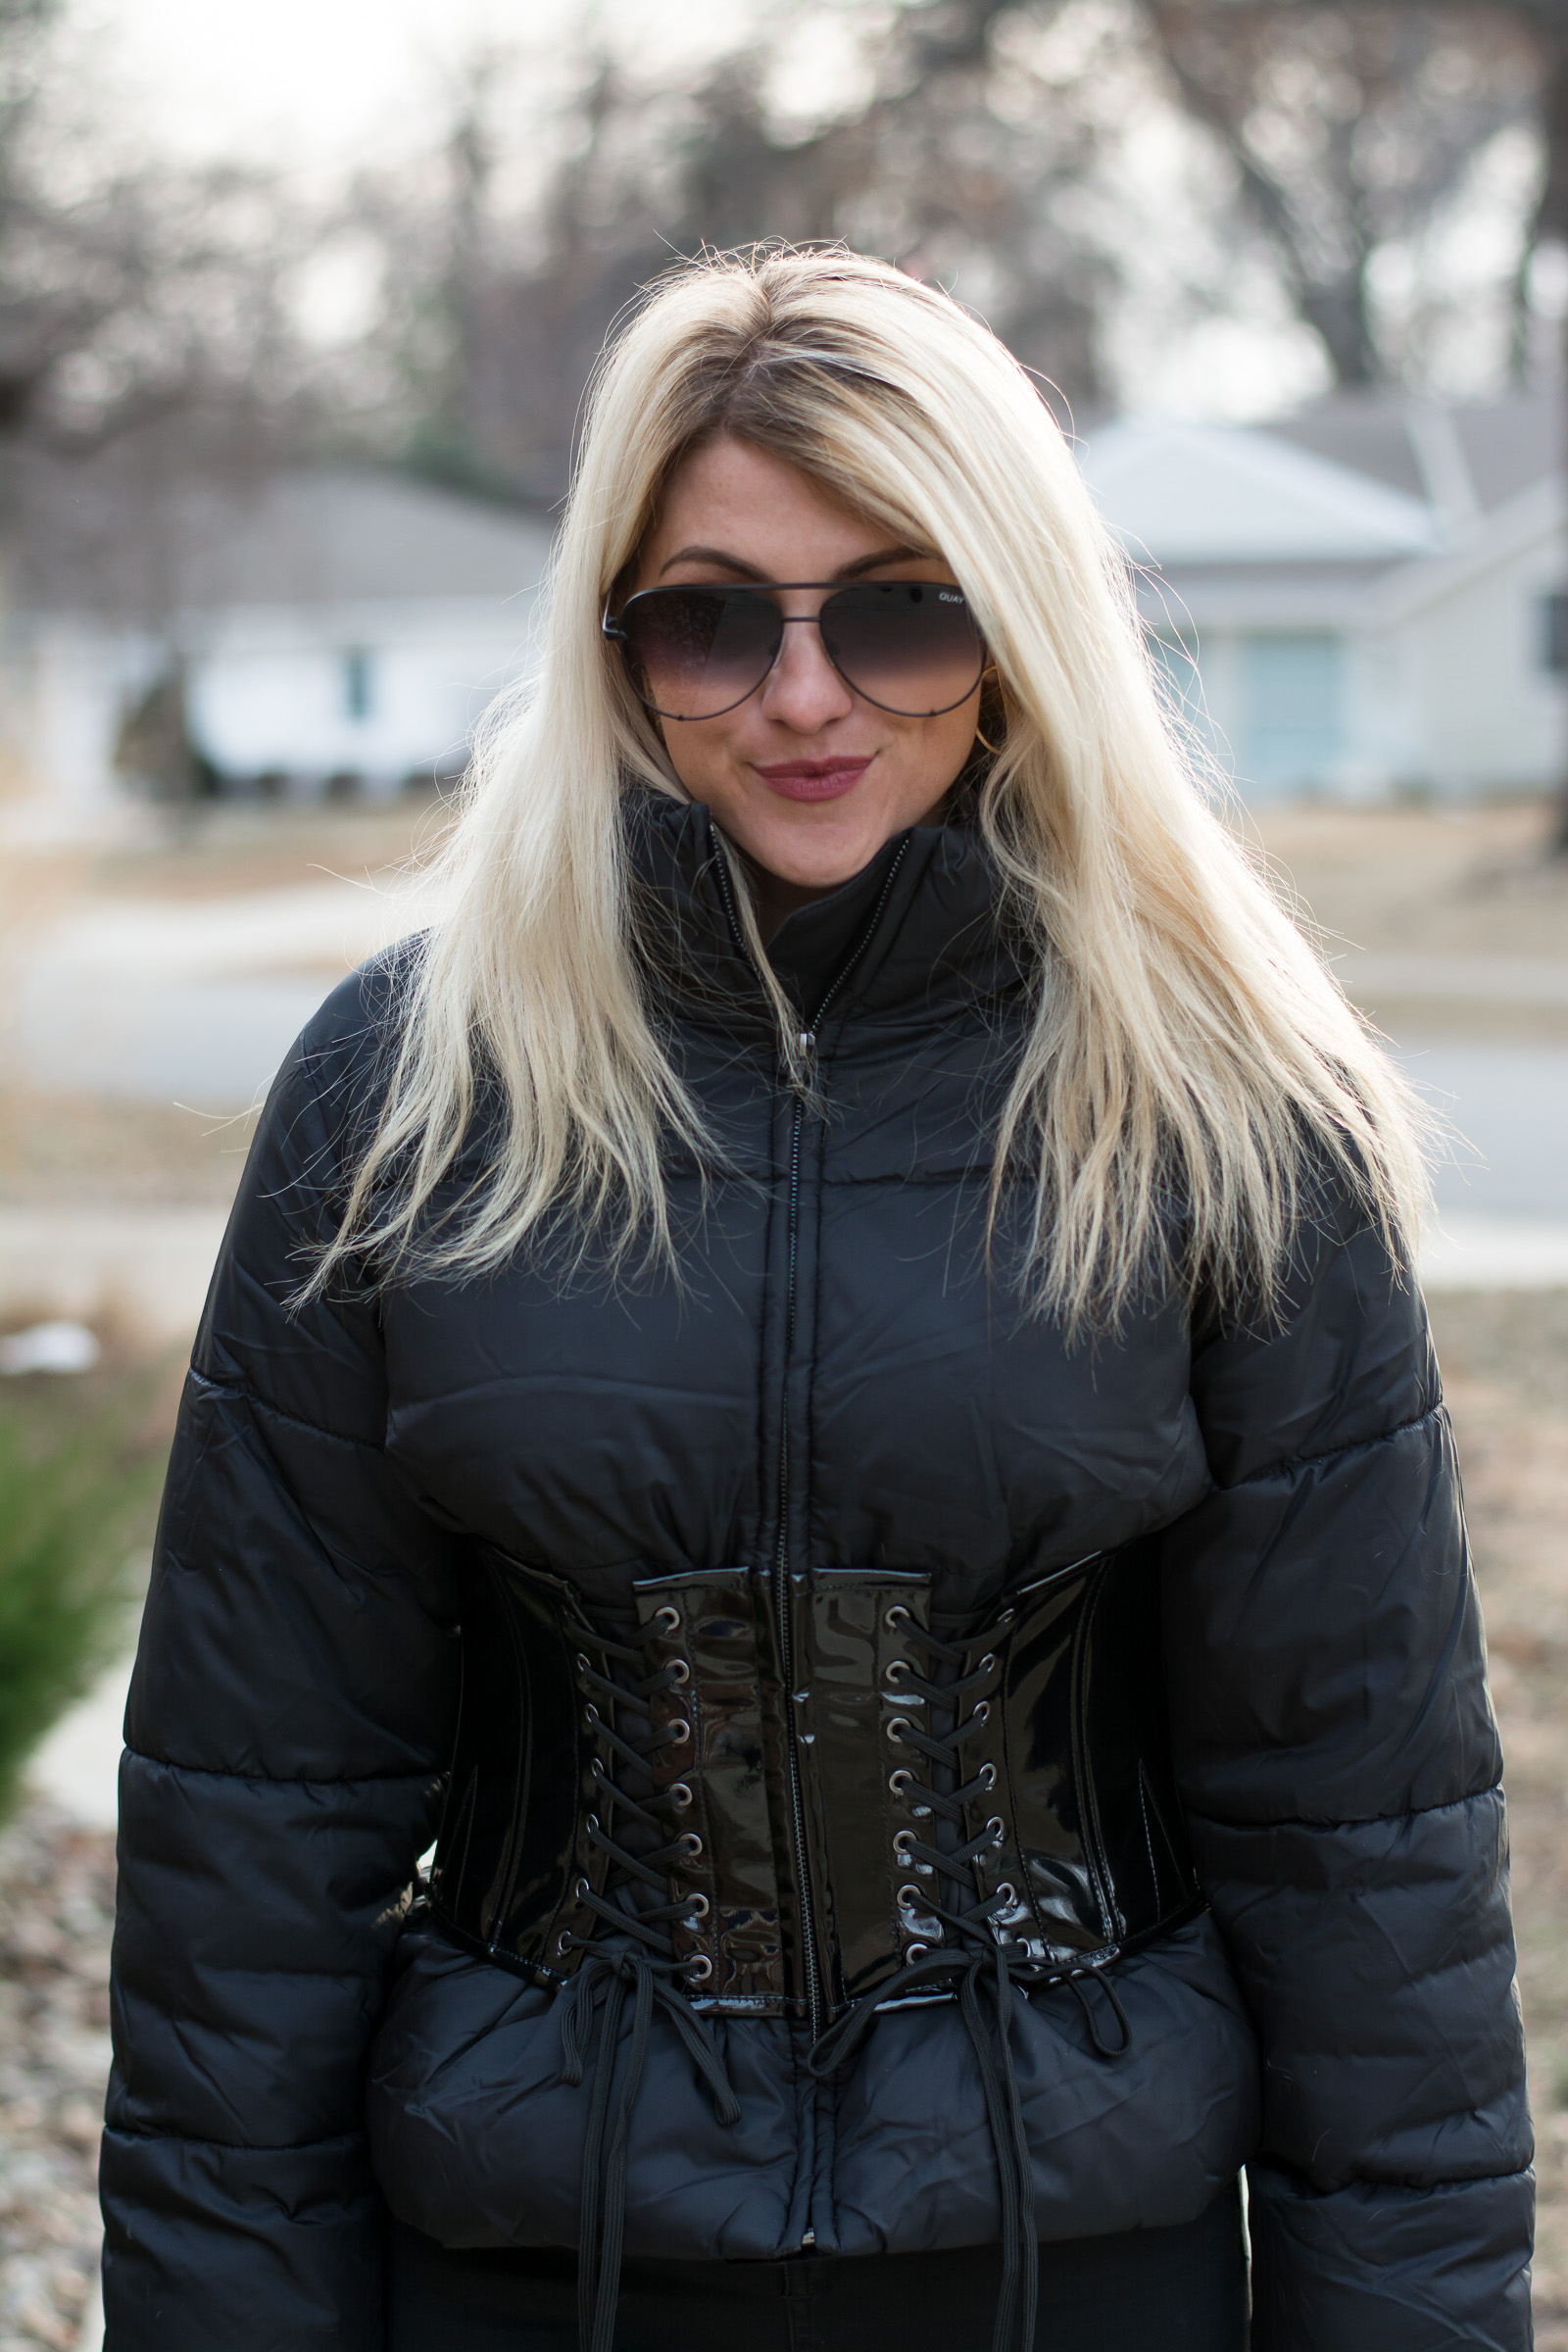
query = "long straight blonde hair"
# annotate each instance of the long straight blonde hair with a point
(1186, 1045)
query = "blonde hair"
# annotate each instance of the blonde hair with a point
(1186, 1052)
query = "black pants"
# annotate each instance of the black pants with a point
(1145, 2290)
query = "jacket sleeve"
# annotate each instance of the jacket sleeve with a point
(289, 1717)
(1340, 1766)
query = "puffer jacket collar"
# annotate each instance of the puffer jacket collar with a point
(926, 916)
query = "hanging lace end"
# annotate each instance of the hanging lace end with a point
(1100, 2047)
(570, 2004)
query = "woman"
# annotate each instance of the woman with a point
(824, 1378)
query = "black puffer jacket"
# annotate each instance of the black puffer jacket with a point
(295, 2048)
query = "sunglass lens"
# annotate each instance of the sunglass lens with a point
(909, 646)
(700, 651)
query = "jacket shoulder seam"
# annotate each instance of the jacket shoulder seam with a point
(1333, 1453)
(247, 1393)
(285, 1779)
(1391, 2184)
(238, 2147)
(1357, 1821)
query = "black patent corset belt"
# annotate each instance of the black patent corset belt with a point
(812, 1803)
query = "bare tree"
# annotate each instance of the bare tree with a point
(502, 326)
(146, 331)
(1347, 124)
(149, 358)
(1324, 207)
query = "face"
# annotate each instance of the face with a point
(806, 777)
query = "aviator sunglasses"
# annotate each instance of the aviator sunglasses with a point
(910, 647)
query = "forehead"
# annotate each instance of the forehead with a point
(761, 510)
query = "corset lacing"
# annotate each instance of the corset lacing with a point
(647, 1968)
(979, 1952)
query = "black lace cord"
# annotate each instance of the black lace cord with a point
(979, 1954)
(1076, 1979)
(592, 2006)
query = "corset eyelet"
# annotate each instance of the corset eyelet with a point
(988, 1776)
(895, 1617)
(691, 1845)
(677, 1731)
(1006, 1892)
(915, 1951)
(897, 1668)
(896, 1727)
(902, 1844)
(996, 1831)
(680, 1795)
(900, 1779)
(698, 1969)
(668, 1617)
(699, 1908)
(677, 1673)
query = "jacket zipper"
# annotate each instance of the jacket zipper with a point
(782, 1599)
(1088, 1799)
(783, 1603)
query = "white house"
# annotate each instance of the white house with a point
(333, 629)
(1363, 598)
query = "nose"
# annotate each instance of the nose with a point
(802, 691)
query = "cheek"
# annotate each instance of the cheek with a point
(927, 756)
(703, 753)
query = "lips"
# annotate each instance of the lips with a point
(813, 779)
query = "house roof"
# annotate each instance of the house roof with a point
(118, 545)
(1305, 522)
(341, 537)
(1504, 446)
(1178, 493)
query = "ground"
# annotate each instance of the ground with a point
(57, 1892)
(1411, 882)
(1504, 1362)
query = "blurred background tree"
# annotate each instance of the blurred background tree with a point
(147, 343)
(1098, 178)
(1104, 179)
(1352, 131)
(954, 139)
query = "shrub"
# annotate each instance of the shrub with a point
(66, 1512)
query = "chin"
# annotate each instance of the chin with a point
(821, 846)
(824, 864)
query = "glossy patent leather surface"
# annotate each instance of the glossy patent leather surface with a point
(1062, 1735)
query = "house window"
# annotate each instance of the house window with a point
(1554, 633)
(1291, 697)
(359, 683)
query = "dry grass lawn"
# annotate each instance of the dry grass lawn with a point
(1505, 1360)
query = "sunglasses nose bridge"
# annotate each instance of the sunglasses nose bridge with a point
(802, 664)
(800, 604)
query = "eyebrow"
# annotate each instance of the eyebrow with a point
(846, 571)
